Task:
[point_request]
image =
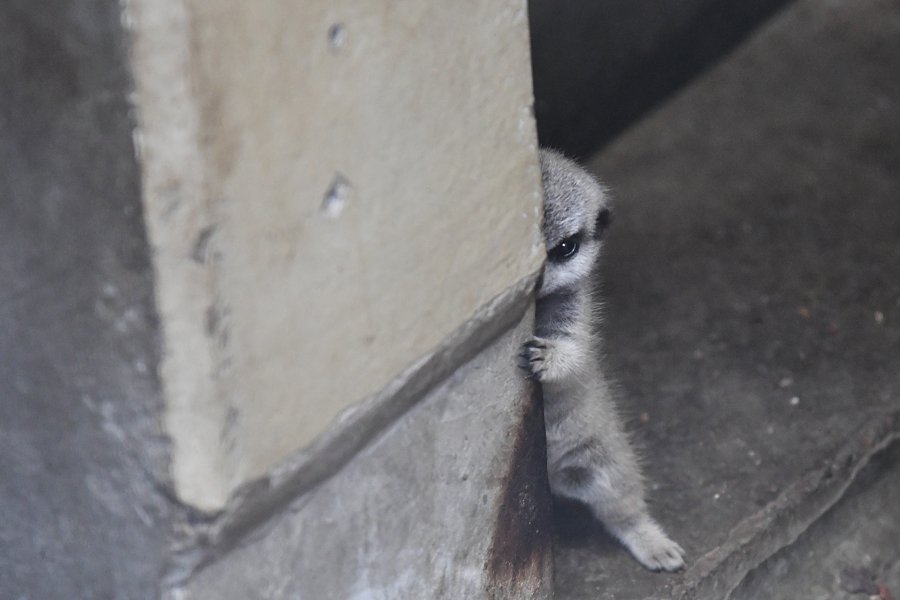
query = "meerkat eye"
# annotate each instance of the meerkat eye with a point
(565, 250)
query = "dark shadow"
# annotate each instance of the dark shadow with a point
(575, 527)
(600, 66)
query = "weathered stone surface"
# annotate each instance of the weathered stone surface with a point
(450, 502)
(753, 284)
(81, 451)
(325, 205)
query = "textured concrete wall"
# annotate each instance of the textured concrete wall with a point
(325, 205)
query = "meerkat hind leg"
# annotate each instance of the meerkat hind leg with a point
(624, 514)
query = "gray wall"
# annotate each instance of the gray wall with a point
(80, 511)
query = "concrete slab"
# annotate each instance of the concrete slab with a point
(753, 285)
(281, 183)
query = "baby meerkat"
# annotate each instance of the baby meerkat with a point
(589, 457)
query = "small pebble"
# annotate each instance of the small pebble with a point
(879, 317)
(753, 457)
(795, 401)
(716, 496)
(644, 417)
(785, 382)
(803, 312)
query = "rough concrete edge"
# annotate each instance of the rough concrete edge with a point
(718, 573)
(254, 503)
(176, 214)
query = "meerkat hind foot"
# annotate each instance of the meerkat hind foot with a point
(650, 545)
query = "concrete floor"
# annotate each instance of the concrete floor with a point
(753, 286)
(854, 548)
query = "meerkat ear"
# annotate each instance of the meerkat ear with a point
(604, 218)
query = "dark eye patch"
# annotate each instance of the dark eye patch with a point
(566, 249)
(604, 218)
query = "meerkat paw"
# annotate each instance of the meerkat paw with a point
(650, 545)
(550, 359)
(534, 357)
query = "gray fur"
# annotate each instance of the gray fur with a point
(589, 456)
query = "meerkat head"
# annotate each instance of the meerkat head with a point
(576, 215)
